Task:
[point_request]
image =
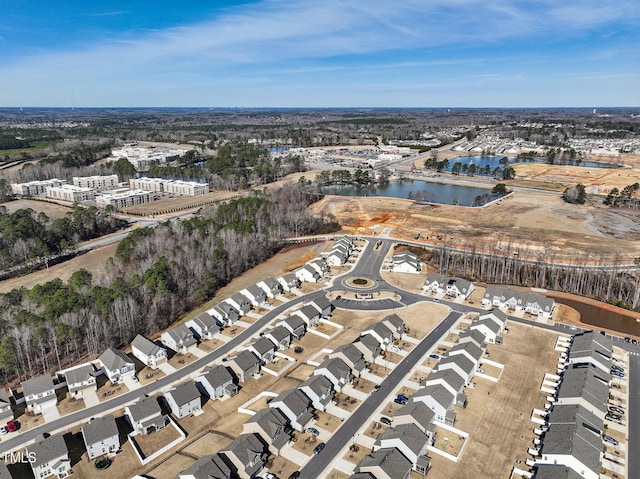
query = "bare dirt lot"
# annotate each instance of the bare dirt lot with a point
(52, 210)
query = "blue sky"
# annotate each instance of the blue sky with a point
(320, 53)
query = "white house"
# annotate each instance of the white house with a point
(39, 393)
(80, 380)
(240, 303)
(381, 332)
(117, 365)
(296, 406)
(319, 390)
(6, 413)
(409, 440)
(337, 257)
(224, 313)
(468, 349)
(148, 352)
(323, 305)
(440, 400)
(434, 283)
(289, 281)
(204, 326)
(459, 363)
(295, 325)
(336, 371)
(217, 382)
(406, 262)
(458, 287)
(50, 457)
(101, 436)
(255, 294)
(320, 265)
(180, 339)
(264, 349)
(280, 336)
(145, 416)
(184, 399)
(308, 274)
(497, 316)
(490, 329)
(309, 314)
(386, 463)
(271, 287)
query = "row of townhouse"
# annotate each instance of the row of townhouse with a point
(314, 271)
(341, 251)
(176, 187)
(406, 262)
(532, 303)
(572, 443)
(449, 285)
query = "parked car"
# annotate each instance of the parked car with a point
(616, 409)
(298, 350)
(634, 341)
(627, 339)
(3, 430)
(610, 440)
(313, 430)
(385, 420)
(617, 374)
(294, 475)
(617, 368)
(434, 356)
(12, 426)
(376, 388)
(318, 448)
(613, 417)
(268, 475)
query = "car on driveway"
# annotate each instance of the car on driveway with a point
(318, 448)
(613, 417)
(12, 426)
(617, 374)
(610, 440)
(3, 430)
(268, 475)
(385, 420)
(617, 368)
(313, 430)
(616, 409)
(634, 341)
(434, 356)
(294, 475)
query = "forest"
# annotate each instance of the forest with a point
(156, 276)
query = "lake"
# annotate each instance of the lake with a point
(418, 190)
(592, 315)
(494, 161)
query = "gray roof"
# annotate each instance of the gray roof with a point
(271, 420)
(318, 384)
(37, 385)
(474, 334)
(99, 429)
(184, 393)
(239, 298)
(390, 460)
(218, 376)
(245, 447)
(584, 380)
(336, 366)
(545, 303)
(405, 255)
(279, 333)
(419, 411)
(272, 283)
(592, 345)
(205, 321)
(295, 400)
(255, 290)
(449, 376)
(395, 320)
(4, 397)
(362, 475)
(409, 434)
(438, 392)
(145, 345)
(574, 439)
(290, 278)
(144, 408)
(461, 284)
(497, 313)
(245, 360)
(574, 413)
(78, 375)
(310, 269)
(182, 336)
(321, 302)
(309, 312)
(295, 322)
(380, 328)
(263, 346)
(436, 277)
(550, 471)
(114, 359)
(370, 342)
(472, 349)
(460, 360)
(489, 323)
(351, 352)
(48, 449)
(208, 467)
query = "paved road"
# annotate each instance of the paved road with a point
(315, 467)
(633, 417)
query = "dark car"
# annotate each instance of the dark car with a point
(318, 448)
(376, 388)
(613, 417)
(313, 430)
(385, 420)
(627, 339)
(434, 356)
(634, 341)
(617, 374)
(295, 475)
(616, 409)
(298, 349)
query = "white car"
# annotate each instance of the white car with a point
(3, 430)
(268, 475)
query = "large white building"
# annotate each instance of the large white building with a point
(124, 199)
(176, 187)
(35, 188)
(97, 183)
(70, 193)
(143, 158)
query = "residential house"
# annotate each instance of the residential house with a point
(406, 262)
(224, 313)
(145, 416)
(418, 414)
(347, 243)
(592, 348)
(489, 329)
(211, 466)
(440, 400)
(148, 352)
(39, 393)
(337, 257)
(323, 305)
(245, 365)
(381, 332)
(217, 382)
(117, 365)
(410, 441)
(272, 426)
(469, 350)
(280, 336)
(497, 316)
(184, 399)
(396, 324)
(180, 339)
(296, 406)
(50, 457)
(321, 266)
(204, 326)
(307, 274)
(388, 463)
(369, 346)
(586, 385)
(460, 364)
(101, 436)
(4, 471)
(319, 390)
(6, 413)
(247, 453)
(336, 371)
(473, 336)
(573, 440)
(352, 356)
(458, 287)
(80, 380)
(240, 303)
(447, 378)
(309, 315)
(289, 281)
(539, 305)
(532, 303)
(295, 325)
(264, 349)
(255, 294)
(434, 283)
(547, 471)
(271, 287)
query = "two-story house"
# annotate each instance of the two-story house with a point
(80, 380)
(180, 339)
(309, 315)
(410, 441)
(336, 371)
(307, 274)
(272, 426)
(211, 466)
(224, 313)
(117, 365)
(145, 416)
(39, 393)
(319, 390)
(289, 281)
(247, 453)
(296, 406)
(295, 325)
(245, 365)
(352, 356)
(369, 346)
(50, 457)
(204, 326)
(217, 382)
(323, 305)
(6, 413)
(271, 287)
(240, 303)
(264, 349)
(184, 400)
(148, 352)
(255, 294)
(101, 436)
(388, 463)
(280, 336)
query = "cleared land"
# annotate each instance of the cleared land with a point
(52, 210)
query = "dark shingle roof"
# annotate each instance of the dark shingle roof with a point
(390, 460)
(47, 450)
(37, 385)
(99, 429)
(218, 376)
(146, 346)
(208, 467)
(114, 359)
(144, 408)
(184, 393)
(245, 360)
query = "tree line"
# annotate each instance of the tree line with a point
(156, 276)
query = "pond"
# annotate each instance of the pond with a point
(419, 191)
(482, 162)
(597, 317)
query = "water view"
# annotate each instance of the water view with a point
(484, 165)
(419, 191)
